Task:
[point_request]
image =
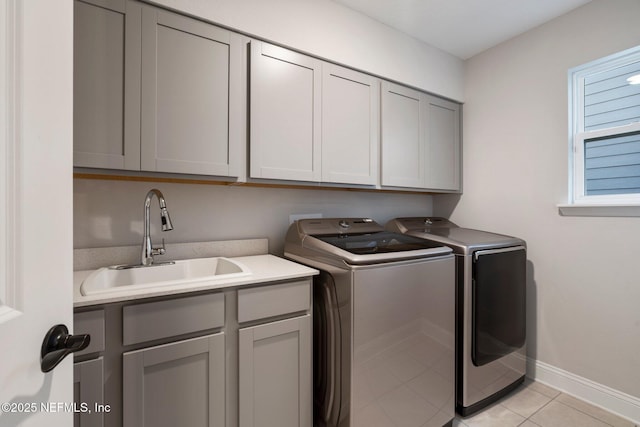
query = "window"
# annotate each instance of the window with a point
(604, 121)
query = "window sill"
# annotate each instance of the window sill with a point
(599, 210)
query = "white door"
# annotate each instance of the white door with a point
(36, 90)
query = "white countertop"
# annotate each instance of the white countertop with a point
(264, 269)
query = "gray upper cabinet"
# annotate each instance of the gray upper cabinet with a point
(443, 144)
(155, 91)
(284, 114)
(420, 140)
(311, 120)
(106, 93)
(189, 112)
(403, 141)
(350, 126)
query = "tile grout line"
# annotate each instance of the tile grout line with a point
(551, 399)
(578, 410)
(540, 409)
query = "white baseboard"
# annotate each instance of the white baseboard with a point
(609, 399)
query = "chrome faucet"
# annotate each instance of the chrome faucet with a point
(148, 251)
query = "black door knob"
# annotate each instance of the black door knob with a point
(57, 344)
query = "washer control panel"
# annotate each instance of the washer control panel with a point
(325, 226)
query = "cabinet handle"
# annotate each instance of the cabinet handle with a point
(57, 344)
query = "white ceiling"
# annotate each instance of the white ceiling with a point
(463, 27)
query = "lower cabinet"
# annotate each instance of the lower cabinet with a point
(275, 374)
(181, 383)
(226, 358)
(88, 393)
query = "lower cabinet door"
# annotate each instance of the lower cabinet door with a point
(177, 384)
(88, 393)
(275, 374)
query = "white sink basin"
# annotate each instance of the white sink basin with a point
(190, 271)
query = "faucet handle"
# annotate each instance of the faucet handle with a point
(158, 251)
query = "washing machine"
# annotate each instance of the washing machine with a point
(490, 356)
(383, 322)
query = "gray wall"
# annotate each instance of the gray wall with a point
(585, 288)
(109, 213)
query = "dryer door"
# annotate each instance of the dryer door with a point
(499, 301)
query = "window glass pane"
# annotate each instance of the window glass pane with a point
(609, 99)
(612, 164)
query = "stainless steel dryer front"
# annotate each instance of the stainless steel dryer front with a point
(490, 308)
(383, 315)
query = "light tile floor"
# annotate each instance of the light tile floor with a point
(536, 405)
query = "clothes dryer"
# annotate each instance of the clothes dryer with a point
(490, 308)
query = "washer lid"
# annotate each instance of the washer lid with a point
(355, 241)
(377, 243)
(443, 231)
(363, 250)
(466, 240)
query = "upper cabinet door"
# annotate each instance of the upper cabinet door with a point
(106, 93)
(350, 126)
(443, 144)
(285, 114)
(403, 136)
(189, 123)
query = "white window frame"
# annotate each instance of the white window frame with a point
(578, 136)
